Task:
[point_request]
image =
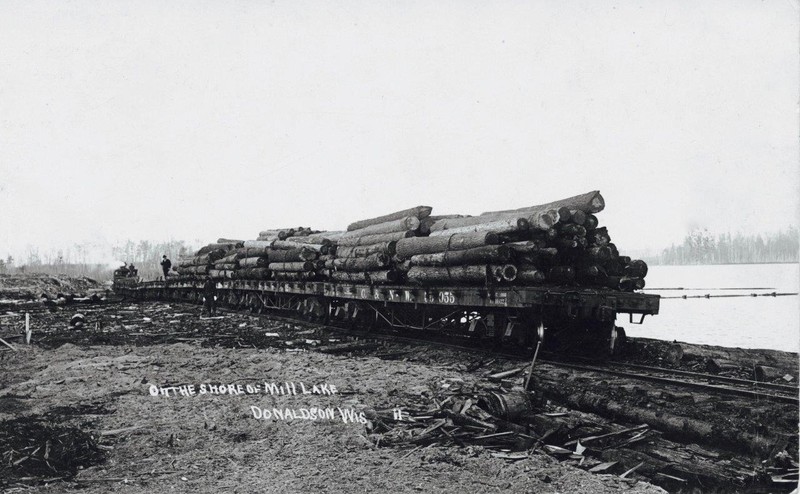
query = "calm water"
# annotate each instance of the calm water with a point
(746, 322)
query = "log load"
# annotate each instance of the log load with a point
(557, 243)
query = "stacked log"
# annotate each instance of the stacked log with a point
(558, 243)
(366, 252)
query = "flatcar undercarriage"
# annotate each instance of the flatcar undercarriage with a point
(564, 320)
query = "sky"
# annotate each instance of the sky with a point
(201, 119)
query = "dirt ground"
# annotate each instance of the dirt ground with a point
(212, 442)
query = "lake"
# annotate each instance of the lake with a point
(746, 322)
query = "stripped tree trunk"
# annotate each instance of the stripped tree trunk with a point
(418, 212)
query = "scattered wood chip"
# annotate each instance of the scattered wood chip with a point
(502, 375)
(671, 477)
(631, 470)
(603, 467)
(510, 456)
(610, 434)
(557, 450)
(9, 345)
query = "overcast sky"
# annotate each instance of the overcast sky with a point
(196, 120)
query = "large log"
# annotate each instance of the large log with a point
(425, 226)
(193, 270)
(235, 256)
(285, 245)
(218, 247)
(220, 273)
(375, 239)
(253, 274)
(258, 244)
(273, 232)
(571, 229)
(529, 275)
(227, 265)
(293, 255)
(601, 253)
(517, 222)
(590, 202)
(599, 236)
(510, 225)
(383, 276)
(624, 284)
(418, 212)
(209, 258)
(591, 222)
(453, 274)
(294, 275)
(504, 272)
(399, 225)
(386, 248)
(257, 252)
(369, 263)
(673, 426)
(577, 216)
(369, 277)
(254, 262)
(291, 266)
(477, 255)
(636, 269)
(358, 277)
(408, 247)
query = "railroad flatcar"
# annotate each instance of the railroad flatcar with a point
(562, 318)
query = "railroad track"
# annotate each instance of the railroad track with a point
(706, 382)
(709, 383)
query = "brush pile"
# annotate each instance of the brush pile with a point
(33, 449)
(558, 243)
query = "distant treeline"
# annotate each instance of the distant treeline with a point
(85, 259)
(700, 247)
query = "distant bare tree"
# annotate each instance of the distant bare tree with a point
(700, 247)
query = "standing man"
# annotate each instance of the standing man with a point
(165, 265)
(209, 296)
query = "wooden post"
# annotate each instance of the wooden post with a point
(533, 362)
(27, 328)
